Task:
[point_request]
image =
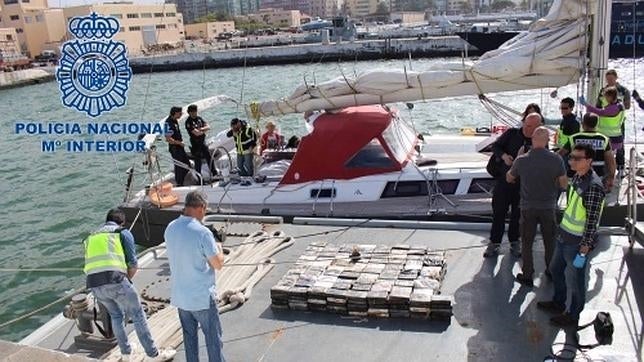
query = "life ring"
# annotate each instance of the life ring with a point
(162, 195)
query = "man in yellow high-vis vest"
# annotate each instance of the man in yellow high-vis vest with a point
(110, 263)
(245, 142)
(577, 237)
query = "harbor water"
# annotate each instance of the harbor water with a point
(51, 200)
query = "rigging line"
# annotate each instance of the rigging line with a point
(635, 26)
(241, 95)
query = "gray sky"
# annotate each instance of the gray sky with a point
(64, 3)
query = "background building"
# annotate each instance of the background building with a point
(209, 30)
(361, 8)
(37, 27)
(276, 18)
(326, 8)
(304, 6)
(407, 17)
(195, 9)
(142, 26)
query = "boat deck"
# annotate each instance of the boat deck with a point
(495, 318)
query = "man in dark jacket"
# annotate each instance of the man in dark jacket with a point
(245, 142)
(506, 195)
(175, 146)
(197, 129)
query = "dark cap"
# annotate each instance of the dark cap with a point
(234, 121)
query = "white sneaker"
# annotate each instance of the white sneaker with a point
(164, 355)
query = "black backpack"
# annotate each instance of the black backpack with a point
(603, 326)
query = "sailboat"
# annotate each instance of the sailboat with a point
(378, 166)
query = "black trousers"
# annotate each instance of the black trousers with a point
(199, 152)
(620, 157)
(547, 220)
(179, 154)
(505, 196)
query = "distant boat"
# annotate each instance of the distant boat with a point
(626, 37)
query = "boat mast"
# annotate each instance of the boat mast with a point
(599, 46)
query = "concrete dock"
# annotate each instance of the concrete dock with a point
(24, 77)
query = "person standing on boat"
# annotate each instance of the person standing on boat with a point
(175, 145)
(604, 160)
(270, 139)
(506, 195)
(611, 122)
(110, 263)
(569, 123)
(542, 174)
(245, 142)
(197, 129)
(577, 238)
(194, 256)
(624, 97)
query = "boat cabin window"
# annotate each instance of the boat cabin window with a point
(400, 139)
(372, 155)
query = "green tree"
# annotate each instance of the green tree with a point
(502, 5)
(382, 8)
(414, 5)
(218, 16)
(466, 6)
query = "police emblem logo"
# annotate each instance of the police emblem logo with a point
(93, 72)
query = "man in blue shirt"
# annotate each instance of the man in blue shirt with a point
(109, 269)
(194, 257)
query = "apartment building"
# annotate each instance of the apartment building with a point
(37, 27)
(141, 25)
(326, 8)
(276, 18)
(9, 44)
(209, 30)
(361, 8)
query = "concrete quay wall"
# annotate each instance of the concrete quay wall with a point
(19, 78)
(307, 53)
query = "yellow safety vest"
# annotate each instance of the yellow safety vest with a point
(574, 217)
(562, 139)
(240, 145)
(104, 252)
(610, 126)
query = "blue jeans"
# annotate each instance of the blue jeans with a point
(208, 319)
(564, 255)
(121, 299)
(245, 164)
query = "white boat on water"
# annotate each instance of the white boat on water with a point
(358, 162)
(362, 160)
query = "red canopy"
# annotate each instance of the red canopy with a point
(337, 137)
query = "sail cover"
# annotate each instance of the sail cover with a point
(550, 54)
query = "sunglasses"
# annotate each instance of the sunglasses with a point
(576, 158)
(564, 108)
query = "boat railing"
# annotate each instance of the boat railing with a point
(632, 195)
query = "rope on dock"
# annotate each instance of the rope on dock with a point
(234, 286)
(44, 307)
